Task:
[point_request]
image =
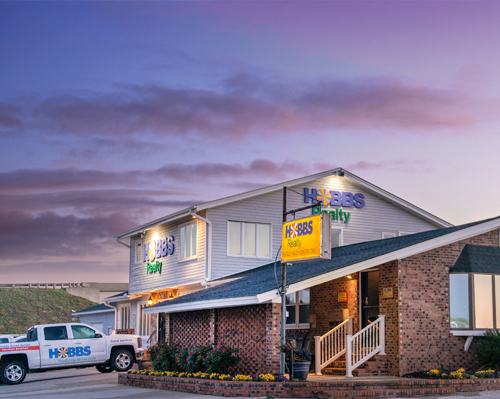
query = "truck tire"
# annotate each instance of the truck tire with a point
(122, 360)
(103, 368)
(13, 372)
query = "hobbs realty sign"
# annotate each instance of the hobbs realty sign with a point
(306, 239)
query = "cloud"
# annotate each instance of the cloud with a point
(416, 166)
(247, 105)
(67, 270)
(73, 178)
(27, 236)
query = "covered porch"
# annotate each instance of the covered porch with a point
(352, 329)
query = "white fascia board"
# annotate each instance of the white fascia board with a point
(154, 223)
(95, 312)
(213, 304)
(398, 201)
(117, 299)
(400, 254)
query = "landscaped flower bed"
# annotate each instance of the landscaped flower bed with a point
(459, 374)
(213, 376)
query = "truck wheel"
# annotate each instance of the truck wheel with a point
(13, 372)
(122, 360)
(101, 368)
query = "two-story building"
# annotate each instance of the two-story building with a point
(393, 291)
(199, 245)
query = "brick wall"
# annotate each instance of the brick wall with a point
(388, 273)
(190, 328)
(425, 339)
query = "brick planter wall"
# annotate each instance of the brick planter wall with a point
(395, 388)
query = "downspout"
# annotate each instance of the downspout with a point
(208, 269)
(115, 309)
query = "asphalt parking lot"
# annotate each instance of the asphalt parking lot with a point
(89, 383)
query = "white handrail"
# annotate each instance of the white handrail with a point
(365, 344)
(332, 345)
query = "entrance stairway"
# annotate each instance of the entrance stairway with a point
(357, 350)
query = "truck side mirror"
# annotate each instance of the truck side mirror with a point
(98, 335)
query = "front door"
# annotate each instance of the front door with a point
(369, 297)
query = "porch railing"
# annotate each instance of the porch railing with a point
(365, 344)
(332, 345)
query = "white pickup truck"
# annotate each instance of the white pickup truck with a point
(69, 345)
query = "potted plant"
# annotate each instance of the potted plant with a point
(301, 364)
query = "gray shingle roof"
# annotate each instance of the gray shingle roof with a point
(262, 279)
(478, 259)
(97, 308)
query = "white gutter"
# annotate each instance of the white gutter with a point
(208, 263)
(122, 243)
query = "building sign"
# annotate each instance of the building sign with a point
(306, 239)
(388, 292)
(342, 296)
(157, 249)
(337, 199)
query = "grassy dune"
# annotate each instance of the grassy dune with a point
(21, 308)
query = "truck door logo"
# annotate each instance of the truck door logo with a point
(73, 351)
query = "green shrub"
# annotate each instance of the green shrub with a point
(163, 357)
(210, 359)
(488, 351)
(220, 359)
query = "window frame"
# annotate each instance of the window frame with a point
(340, 229)
(472, 302)
(129, 318)
(140, 311)
(297, 324)
(242, 249)
(138, 259)
(192, 257)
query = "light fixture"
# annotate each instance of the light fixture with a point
(349, 277)
(341, 173)
(171, 295)
(150, 300)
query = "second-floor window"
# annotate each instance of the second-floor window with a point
(249, 239)
(188, 241)
(138, 251)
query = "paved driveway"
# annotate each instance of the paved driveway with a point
(83, 384)
(90, 384)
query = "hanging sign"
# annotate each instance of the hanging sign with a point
(306, 239)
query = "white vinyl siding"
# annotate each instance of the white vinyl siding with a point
(125, 317)
(174, 272)
(365, 224)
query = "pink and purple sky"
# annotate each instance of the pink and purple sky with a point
(116, 113)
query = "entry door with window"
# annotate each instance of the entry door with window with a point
(369, 297)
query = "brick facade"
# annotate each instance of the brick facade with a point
(424, 309)
(417, 317)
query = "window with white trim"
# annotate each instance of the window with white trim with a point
(474, 301)
(297, 308)
(138, 251)
(249, 239)
(125, 317)
(144, 321)
(188, 241)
